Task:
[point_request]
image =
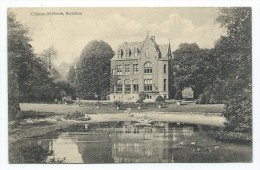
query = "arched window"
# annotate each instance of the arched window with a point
(135, 85)
(148, 68)
(127, 86)
(119, 85)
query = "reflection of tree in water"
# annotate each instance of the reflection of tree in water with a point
(28, 153)
(95, 148)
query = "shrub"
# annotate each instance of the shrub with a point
(33, 115)
(178, 95)
(142, 95)
(234, 137)
(118, 103)
(76, 115)
(202, 99)
(28, 154)
(139, 101)
(187, 93)
(159, 99)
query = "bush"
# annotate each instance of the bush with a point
(118, 103)
(234, 137)
(178, 95)
(202, 99)
(159, 99)
(28, 154)
(139, 101)
(33, 115)
(142, 95)
(76, 115)
(187, 93)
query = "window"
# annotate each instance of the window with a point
(119, 69)
(148, 85)
(127, 69)
(112, 71)
(164, 84)
(148, 68)
(148, 96)
(127, 86)
(164, 68)
(119, 86)
(135, 85)
(135, 68)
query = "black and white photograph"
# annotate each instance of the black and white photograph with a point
(130, 85)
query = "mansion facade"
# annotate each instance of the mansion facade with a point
(141, 67)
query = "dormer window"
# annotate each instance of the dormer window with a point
(119, 53)
(127, 53)
(136, 52)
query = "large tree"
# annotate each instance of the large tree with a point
(191, 68)
(232, 58)
(19, 56)
(28, 78)
(93, 70)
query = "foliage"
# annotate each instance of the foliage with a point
(159, 99)
(47, 57)
(202, 99)
(77, 115)
(234, 137)
(142, 95)
(29, 80)
(187, 93)
(28, 154)
(71, 77)
(192, 68)
(34, 115)
(118, 103)
(93, 70)
(233, 60)
(178, 95)
(68, 89)
(139, 101)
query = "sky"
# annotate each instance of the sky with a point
(68, 34)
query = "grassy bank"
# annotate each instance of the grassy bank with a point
(39, 119)
(110, 108)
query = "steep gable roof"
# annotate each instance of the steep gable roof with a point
(132, 46)
(164, 49)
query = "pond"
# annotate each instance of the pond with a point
(129, 142)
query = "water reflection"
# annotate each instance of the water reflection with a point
(127, 142)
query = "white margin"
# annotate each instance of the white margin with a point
(255, 4)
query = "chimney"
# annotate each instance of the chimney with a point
(153, 38)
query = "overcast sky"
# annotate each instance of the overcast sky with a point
(70, 33)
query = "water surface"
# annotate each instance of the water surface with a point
(129, 142)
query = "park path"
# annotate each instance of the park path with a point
(193, 118)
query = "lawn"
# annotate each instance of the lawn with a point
(110, 108)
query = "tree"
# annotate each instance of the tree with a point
(93, 70)
(47, 57)
(71, 77)
(28, 78)
(232, 58)
(191, 68)
(19, 57)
